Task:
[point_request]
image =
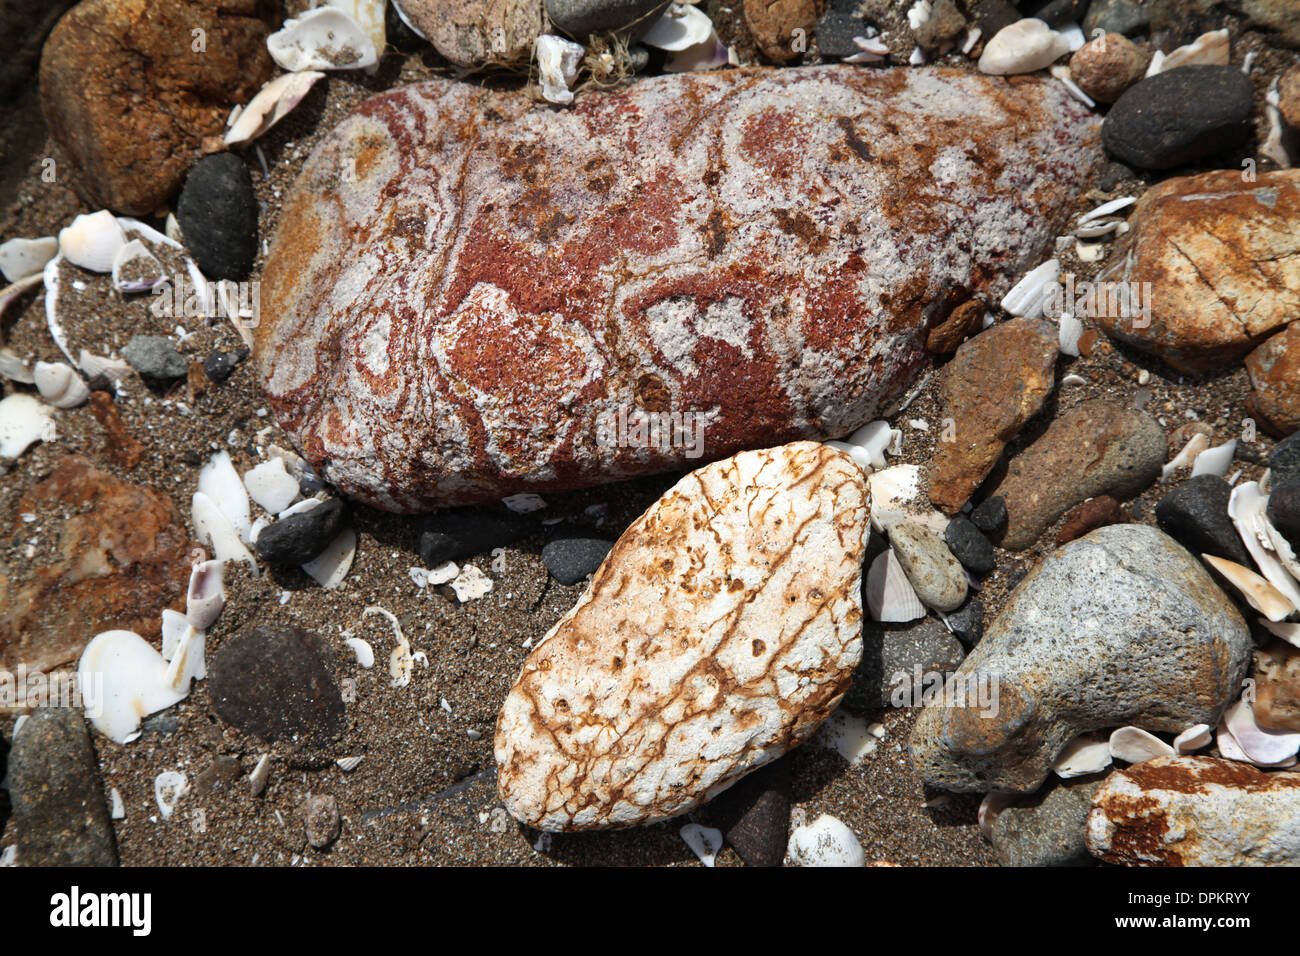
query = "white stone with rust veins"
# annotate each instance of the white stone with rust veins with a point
(1196, 811)
(464, 286)
(722, 629)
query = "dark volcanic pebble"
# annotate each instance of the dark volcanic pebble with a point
(1195, 514)
(580, 18)
(1284, 511)
(272, 682)
(1056, 13)
(990, 515)
(219, 366)
(217, 210)
(156, 358)
(464, 532)
(570, 560)
(969, 546)
(59, 809)
(1284, 461)
(1047, 829)
(967, 622)
(754, 815)
(835, 31)
(894, 654)
(1179, 117)
(300, 537)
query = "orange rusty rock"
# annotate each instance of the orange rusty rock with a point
(120, 446)
(122, 555)
(1088, 516)
(964, 321)
(1274, 370)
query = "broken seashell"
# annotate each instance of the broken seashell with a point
(361, 649)
(271, 104)
(220, 482)
(1209, 49)
(93, 366)
(1246, 507)
(704, 842)
(174, 628)
(896, 494)
(890, 596)
(709, 55)
(680, 28)
(136, 269)
(348, 764)
(524, 503)
(1028, 297)
(850, 736)
(874, 438)
(323, 38)
(1262, 747)
(1070, 331)
(471, 584)
(825, 842)
(1215, 461)
(1194, 447)
(558, 60)
(1135, 745)
(15, 368)
(369, 15)
(1082, 755)
(59, 384)
(261, 773)
(861, 457)
(400, 661)
(1062, 73)
(117, 808)
(188, 661)
(12, 293)
(206, 595)
(331, 566)
(1195, 737)
(122, 679)
(168, 788)
(1073, 379)
(1023, 47)
(271, 486)
(215, 529)
(23, 258)
(24, 419)
(443, 573)
(1288, 632)
(1106, 208)
(92, 241)
(1259, 593)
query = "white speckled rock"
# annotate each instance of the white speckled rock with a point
(722, 629)
(1196, 811)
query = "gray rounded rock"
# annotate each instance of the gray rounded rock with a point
(156, 358)
(1049, 828)
(900, 661)
(937, 577)
(581, 18)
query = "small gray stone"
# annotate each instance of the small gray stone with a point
(320, 814)
(1122, 626)
(968, 546)
(898, 659)
(968, 623)
(579, 18)
(936, 575)
(1116, 16)
(1048, 828)
(155, 358)
(570, 560)
(59, 811)
(990, 515)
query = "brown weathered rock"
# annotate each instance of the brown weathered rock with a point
(774, 25)
(1274, 369)
(498, 284)
(1288, 89)
(963, 321)
(1277, 687)
(1222, 259)
(1196, 811)
(997, 382)
(119, 444)
(115, 555)
(1088, 516)
(129, 98)
(478, 33)
(722, 629)
(941, 31)
(1107, 66)
(1097, 447)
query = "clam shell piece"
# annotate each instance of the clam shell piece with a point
(850, 736)
(220, 482)
(174, 628)
(1195, 737)
(826, 841)
(471, 584)
(1135, 745)
(874, 438)
(324, 38)
(558, 60)
(1287, 631)
(704, 842)
(331, 566)
(207, 594)
(15, 368)
(1209, 49)
(896, 494)
(1215, 461)
(271, 104)
(861, 457)
(1023, 47)
(369, 15)
(92, 366)
(890, 596)
(23, 258)
(361, 649)
(1258, 592)
(1246, 509)
(1261, 747)
(1082, 755)
(1028, 297)
(12, 293)
(168, 788)
(24, 419)
(92, 241)
(59, 384)
(188, 663)
(122, 680)
(1195, 445)
(136, 269)
(680, 28)
(271, 486)
(214, 528)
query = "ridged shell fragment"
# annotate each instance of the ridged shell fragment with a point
(92, 241)
(59, 384)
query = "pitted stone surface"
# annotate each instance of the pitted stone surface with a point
(722, 629)
(463, 288)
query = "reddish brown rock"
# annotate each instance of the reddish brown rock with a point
(781, 28)
(1274, 370)
(477, 33)
(997, 382)
(1088, 516)
(963, 321)
(1277, 687)
(499, 283)
(129, 98)
(1107, 66)
(113, 555)
(119, 444)
(1288, 89)
(1221, 259)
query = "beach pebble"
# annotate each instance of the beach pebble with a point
(320, 815)
(60, 815)
(1126, 603)
(1274, 370)
(967, 622)
(827, 841)
(1277, 688)
(156, 358)
(476, 33)
(271, 681)
(1097, 447)
(898, 661)
(219, 365)
(460, 533)
(990, 515)
(1126, 17)
(1088, 516)
(1196, 811)
(1107, 66)
(1175, 118)
(570, 560)
(935, 574)
(218, 212)
(969, 546)
(992, 16)
(754, 815)
(963, 321)
(300, 537)
(835, 31)
(634, 708)
(1057, 13)
(1048, 828)
(1288, 90)
(942, 29)
(578, 18)
(1195, 513)
(773, 23)
(1025, 46)
(1284, 461)
(1284, 510)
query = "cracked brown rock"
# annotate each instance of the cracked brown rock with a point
(779, 26)
(1196, 811)
(1222, 259)
(1274, 370)
(129, 98)
(478, 33)
(722, 629)
(996, 382)
(121, 554)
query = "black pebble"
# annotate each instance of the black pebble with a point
(300, 537)
(1179, 117)
(217, 210)
(968, 546)
(1284, 511)
(570, 560)
(1195, 514)
(465, 532)
(990, 515)
(1284, 461)
(220, 365)
(1056, 13)
(967, 622)
(754, 815)
(836, 29)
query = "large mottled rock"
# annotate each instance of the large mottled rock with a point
(1097, 447)
(1220, 263)
(722, 629)
(1121, 627)
(499, 289)
(477, 33)
(996, 382)
(1274, 370)
(129, 90)
(114, 555)
(1196, 811)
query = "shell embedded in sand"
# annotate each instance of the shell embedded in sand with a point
(24, 419)
(206, 595)
(15, 368)
(122, 680)
(271, 104)
(23, 258)
(271, 486)
(59, 384)
(324, 38)
(827, 841)
(136, 269)
(221, 483)
(92, 241)
(214, 528)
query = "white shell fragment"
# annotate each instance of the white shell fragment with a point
(1195, 737)
(12, 293)
(400, 661)
(331, 566)
(1195, 445)
(24, 419)
(22, 258)
(1215, 461)
(861, 457)
(93, 366)
(188, 662)
(117, 809)
(825, 842)
(92, 241)
(524, 503)
(59, 384)
(848, 735)
(174, 628)
(206, 595)
(220, 482)
(1070, 331)
(1135, 745)
(325, 38)
(1259, 594)
(261, 774)
(874, 438)
(681, 26)
(471, 584)
(704, 842)
(271, 104)
(369, 15)
(1246, 509)
(1028, 297)
(214, 528)
(1081, 756)
(271, 486)
(365, 654)
(1023, 47)
(443, 573)
(1262, 747)
(1106, 209)
(1288, 632)
(558, 60)
(348, 764)
(890, 596)
(896, 494)
(15, 368)
(123, 680)
(168, 788)
(1209, 49)
(134, 258)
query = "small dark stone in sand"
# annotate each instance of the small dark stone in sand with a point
(156, 358)
(990, 515)
(570, 560)
(300, 537)
(968, 546)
